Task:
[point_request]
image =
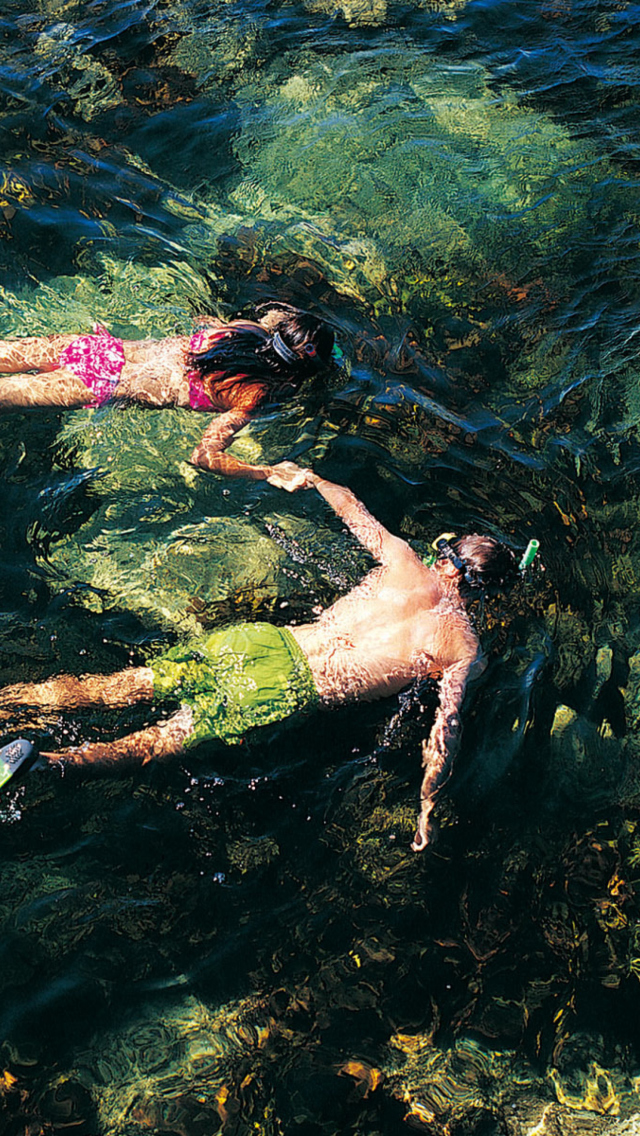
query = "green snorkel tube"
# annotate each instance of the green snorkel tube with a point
(529, 555)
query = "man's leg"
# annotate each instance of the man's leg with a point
(68, 692)
(115, 691)
(156, 742)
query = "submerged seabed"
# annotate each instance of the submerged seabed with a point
(244, 942)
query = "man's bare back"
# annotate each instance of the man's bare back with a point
(403, 621)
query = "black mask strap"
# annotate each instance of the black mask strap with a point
(445, 549)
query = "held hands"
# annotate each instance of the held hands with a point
(287, 475)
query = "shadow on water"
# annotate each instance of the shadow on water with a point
(243, 941)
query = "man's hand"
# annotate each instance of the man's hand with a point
(425, 831)
(287, 475)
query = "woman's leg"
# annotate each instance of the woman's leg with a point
(56, 388)
(33, 353)
(156, 742)
(68, 692)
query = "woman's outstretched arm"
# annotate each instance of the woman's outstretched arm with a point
(209, 454)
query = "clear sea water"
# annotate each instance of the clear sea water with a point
(243, 941)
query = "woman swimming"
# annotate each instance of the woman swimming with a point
(232, 368)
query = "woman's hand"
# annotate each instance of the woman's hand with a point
(287, 475)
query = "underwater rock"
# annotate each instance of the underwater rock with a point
(333, 174)
(374, 13)
(357, 13)
(174, 1069)
(586, 762)
(564, 718)
(533, 1116)
(574, 645)
(132, 300)
(171, 544)
(251, 853)
(229, 50)
(175, 545)
(631, 693)
(169, 578)
(462, 1090)
(91, 87)
(366, 167)
(335, 179)
(454, 1091)
(597, 1090)
(604, 666)
(349, 120)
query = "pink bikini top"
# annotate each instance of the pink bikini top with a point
(247, 395)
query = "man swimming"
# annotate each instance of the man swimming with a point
(405, 620)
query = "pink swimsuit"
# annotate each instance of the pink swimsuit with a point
(96, 359)
(199, 342)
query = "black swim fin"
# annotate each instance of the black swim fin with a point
(14, 756)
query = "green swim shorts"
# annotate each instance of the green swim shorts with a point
(243, 676)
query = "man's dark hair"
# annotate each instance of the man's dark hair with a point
(488, 564)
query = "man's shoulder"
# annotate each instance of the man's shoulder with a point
(407, 569)
(456, 637)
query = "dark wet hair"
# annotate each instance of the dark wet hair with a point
(256, 355)
(488, 565)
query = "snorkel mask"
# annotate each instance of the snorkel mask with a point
(281, 349)
(443, 548)
(292, 357)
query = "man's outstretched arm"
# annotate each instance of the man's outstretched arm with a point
(439, 749)
(378, 540)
